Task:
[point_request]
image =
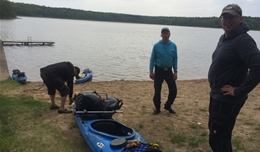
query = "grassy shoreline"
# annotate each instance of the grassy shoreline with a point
(23, 125)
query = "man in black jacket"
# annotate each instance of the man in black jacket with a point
(234, 72)
(54, 77)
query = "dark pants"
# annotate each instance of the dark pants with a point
(160, 76)
(51, 86)
(222, 119)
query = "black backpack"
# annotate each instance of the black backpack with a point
(16, 71)
(21, 74)
(112, 104)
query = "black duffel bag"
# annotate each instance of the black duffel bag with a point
(89, 101)
(90, 105)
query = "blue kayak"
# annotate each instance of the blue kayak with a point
(19, 76)
(104, 134)
(84, 76)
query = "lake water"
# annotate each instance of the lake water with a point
(112, 50)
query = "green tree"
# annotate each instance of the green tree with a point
(6, 10)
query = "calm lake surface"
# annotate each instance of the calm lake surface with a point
(112, 50)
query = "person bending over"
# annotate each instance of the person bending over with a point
(60, 76)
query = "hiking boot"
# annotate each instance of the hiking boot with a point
(156, 111)
(54, 107)
(170, 110)
(65, 111)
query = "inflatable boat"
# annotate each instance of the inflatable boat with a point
(84, 76)
(19, 76)
(101, 132)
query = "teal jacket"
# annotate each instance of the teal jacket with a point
(164, 55)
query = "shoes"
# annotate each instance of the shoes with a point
(54, 107)
(170, 110)
(65, 111)
(156, 111)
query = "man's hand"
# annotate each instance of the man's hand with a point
(71, 101)
(151, 75)
(228, 90)
(175, 76)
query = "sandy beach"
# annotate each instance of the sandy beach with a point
(191, 106)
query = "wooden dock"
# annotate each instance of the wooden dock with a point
(4, 73)
(27, 43)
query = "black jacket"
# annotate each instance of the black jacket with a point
(59, 73)
(235, 62)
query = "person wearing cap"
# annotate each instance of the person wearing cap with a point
(163, 66)
(60, 76)
(233, 74)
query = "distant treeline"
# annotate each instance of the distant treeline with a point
(22, 9)
(6, 10)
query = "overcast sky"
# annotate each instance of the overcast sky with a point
(176, 8)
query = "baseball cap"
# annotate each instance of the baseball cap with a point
(165, 29)
(232, 9)
(78, 71)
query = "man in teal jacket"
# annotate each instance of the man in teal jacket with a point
(164, 66)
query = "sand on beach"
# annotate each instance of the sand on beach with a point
(191, 106)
